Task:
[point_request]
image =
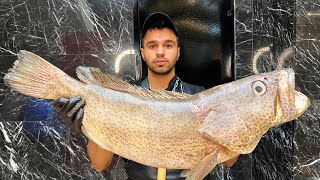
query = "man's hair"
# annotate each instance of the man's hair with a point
(158, 21)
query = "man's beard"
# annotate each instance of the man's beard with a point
(161, 72)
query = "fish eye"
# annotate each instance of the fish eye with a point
(258, 88)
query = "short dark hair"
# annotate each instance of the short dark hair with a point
(158, 21)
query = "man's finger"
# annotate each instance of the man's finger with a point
(76, 108)
(70, 104)
(58, 103)
(78, 121)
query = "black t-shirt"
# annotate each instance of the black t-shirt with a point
(138, 171)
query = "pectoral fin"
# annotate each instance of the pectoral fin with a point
(229, 130)
(203, 168)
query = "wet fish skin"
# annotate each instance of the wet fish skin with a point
(164, 129)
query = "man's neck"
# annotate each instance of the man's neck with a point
(159, 82)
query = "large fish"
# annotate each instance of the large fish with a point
(165, 129)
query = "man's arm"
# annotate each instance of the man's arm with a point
(100, 158)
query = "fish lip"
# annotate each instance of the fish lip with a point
(301, 101)
(287, 94)
(288, 75)
(292, 102)
(287, 79)
(291, 81)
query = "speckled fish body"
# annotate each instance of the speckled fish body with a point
(164, 129)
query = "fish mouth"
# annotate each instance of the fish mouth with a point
(293, 103)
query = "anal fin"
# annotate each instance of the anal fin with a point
(203, 168)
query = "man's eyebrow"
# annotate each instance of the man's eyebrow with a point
(167, 41)
(151, 42)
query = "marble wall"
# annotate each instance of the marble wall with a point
(35, 145)
(33, 142)
(264, 30)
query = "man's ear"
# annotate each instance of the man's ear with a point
(178, 53)
(142, 53)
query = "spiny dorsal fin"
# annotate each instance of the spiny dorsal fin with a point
(91, 75)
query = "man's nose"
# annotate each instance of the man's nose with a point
(160, 51)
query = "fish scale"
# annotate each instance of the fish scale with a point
(167, 129)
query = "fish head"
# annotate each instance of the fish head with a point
(245, 109)
(272, 99)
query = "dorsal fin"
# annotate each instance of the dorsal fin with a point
(91, 75)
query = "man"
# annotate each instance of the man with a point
(160, 50)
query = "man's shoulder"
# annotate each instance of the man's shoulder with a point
(186, 87)
(192, 88)
(142, 83)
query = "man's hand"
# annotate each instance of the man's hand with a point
(71, 111)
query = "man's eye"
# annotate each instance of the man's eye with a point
(152, 46)
(169, 46)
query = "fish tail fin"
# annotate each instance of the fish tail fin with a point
(33, 76)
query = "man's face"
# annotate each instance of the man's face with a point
(160, 50)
